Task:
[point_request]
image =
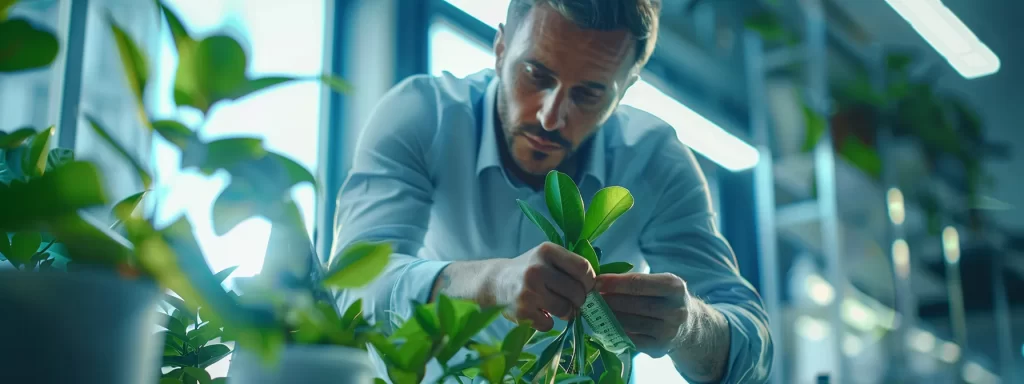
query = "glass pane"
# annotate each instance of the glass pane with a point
(491, 12)
(451, 51)
(285, 38)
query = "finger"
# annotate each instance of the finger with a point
(639, 324)
(530, 306)
(647, 344)
(641, 284)
(560, 284)
(557, 305)
(573, 265)
(656, 307)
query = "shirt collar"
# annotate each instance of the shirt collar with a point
(487, 155)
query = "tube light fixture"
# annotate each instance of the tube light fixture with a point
(949, 36)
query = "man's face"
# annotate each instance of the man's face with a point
(559, 82)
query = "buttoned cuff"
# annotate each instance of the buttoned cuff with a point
(414, 284)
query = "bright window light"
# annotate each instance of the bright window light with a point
(949, 36)
(455, 53)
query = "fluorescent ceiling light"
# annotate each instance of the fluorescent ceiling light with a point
(697, 132)
(949, 36)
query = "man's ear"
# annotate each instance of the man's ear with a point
(634, 76)
(499, 47)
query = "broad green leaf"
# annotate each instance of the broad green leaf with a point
(179, 305)
(199, 374)
(565, 204)
(178, 31)
(358, 265)
(173, 344)
(566, 378)
(233, 205)
(224, 153)
(379, 381)
(175, 132)
(220, 64)
(168, 380)
(541, 222)
(90, 242)
(336, 83)
(492, 367)
(135, 65)
(295, 172)
(23, 246)
(616, 267)
(76, 185)
(25, 46)
(513, 344)
(17, 138)
(202, 335)
(583, 248)
(128, 207)
(58, 157)
(5, 245)
(211, 354)
(224, 273)
(579, 347)
(174, 325)
(475, 322)
(219, 380)
(104, 134)
(607, 206)
(428, 321)
(551, 355)
(611, 363)
(34, 163)
(446, 316)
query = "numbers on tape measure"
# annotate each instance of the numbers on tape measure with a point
(606, 329)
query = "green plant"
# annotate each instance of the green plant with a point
(579, 229)
(191, 341)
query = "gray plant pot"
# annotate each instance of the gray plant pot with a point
(81, 327)
(307, 364)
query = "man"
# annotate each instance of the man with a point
(442, 160)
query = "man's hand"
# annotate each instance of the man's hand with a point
(651, 308)
(662, 318)
(546, 280)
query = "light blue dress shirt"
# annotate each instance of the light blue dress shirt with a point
(426, 177)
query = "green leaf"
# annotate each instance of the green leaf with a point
(358, 265)
(566, 378)
(492, 366)
(25, 46)
(34, 163)
(233, 205)
(446, 316)
(428, 321)
(211, 354)
(513, 344)
(23, 246)
(58, 157)
(353, 315)
(169, 380)
(616, 267)
(175, 132)
(225, 153)
(212, 70)
(198, 374)
(861, 156)
(475, 322)
(295, 172)
(64, 191)
(336, 83)
(583, 248)
(104, 134)
(202, 335)
(219, 380)
(769, 27)
(815, 128)
(607, 206)
(551, 355)
(579, 346)
(136, 68)
(565, 204)
(5, 245)
(17, 138)
(128, 207)
(541, 222)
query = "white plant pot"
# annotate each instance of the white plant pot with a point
(84, 327)
(307, 364)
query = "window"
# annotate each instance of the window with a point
(286, 38)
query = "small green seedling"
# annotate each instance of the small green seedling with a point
(579, 229)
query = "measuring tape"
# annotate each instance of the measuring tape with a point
(608, 332)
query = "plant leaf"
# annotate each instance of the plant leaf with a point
(175, 132)
(147, 180)
(62, 192)
(815, 125)
(199, 374)
(58, 157)
(492, 366)
(358, 264)
(136, 68)
(475, 321)
(34, 163)
(17, 138)
(5, 6)
(567, 378)
(446, 316)
(211, 354)
(607, 206)
(128, 207)
(565, 204)
(219, 64)
(514, 342)
(225, 153)
(541, 222)
(5, 245)
(616, 267)
(583, 248)
(428, 321)
(233, 205)
(23, 246)
(25, 46)
(551, 354)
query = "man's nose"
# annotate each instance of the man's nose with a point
(553, 113)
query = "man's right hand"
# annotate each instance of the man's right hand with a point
(546, 280)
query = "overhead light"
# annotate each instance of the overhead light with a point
(951, 245)
(949, 36)
(692, 129)
(819, 290)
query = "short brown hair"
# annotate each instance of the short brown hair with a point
(639, 17)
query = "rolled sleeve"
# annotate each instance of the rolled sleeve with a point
(682, 238)
(387, 197)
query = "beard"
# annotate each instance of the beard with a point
(530, 161)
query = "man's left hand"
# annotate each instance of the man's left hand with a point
(651, 307)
